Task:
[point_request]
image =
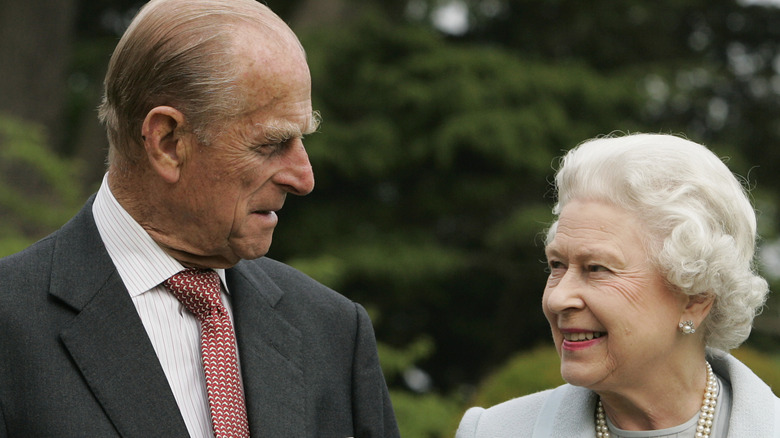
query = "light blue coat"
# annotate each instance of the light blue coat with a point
(568, 411)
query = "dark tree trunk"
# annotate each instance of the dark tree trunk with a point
(35, 48)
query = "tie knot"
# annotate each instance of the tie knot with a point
(198, 290)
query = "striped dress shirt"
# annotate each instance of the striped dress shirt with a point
(173, 331)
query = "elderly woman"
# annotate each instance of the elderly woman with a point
(650, 282)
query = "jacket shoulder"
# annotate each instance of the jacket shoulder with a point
(36, 261)
(294, 282)
(31, 264)
(512, 418)
(561, 411)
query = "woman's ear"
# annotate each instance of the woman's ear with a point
(698, 307)
(164, 141)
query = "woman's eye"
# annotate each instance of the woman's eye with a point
(553, 265)
(597, 268)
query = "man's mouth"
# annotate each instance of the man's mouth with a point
(582, 336)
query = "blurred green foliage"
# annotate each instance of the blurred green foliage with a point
(420, 413)
(435, 154)
(432, 165)
(426, 415)
(524, 373)
(38, 190)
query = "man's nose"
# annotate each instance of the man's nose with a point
(297, 175)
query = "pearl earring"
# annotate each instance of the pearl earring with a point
(687, 327)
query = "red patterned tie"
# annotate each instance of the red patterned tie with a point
(199, 291)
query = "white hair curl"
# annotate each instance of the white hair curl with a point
(702, 226)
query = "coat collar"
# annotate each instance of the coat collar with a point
(755, 410)
(109, 344)
(570, 422)
(106, 338)
(270, 349)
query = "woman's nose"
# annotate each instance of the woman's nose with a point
(565, 294)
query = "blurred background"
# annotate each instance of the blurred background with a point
(442, 122)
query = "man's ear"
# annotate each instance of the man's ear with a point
(166, 146)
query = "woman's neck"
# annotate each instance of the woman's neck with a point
(660, 401)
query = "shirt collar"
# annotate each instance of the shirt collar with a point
(141, 262)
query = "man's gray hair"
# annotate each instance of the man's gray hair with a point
(179, 53)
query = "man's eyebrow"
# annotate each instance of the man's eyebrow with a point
(283, 131)
(313, 123)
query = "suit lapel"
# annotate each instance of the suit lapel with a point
(270, 352)
(106, 338)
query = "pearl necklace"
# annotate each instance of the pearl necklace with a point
(706, 414)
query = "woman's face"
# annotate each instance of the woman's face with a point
(611, 314)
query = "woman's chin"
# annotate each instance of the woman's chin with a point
(578, 375)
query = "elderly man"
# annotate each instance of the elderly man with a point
(153, 313)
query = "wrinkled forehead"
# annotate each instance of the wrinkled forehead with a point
(271, 50)
(270, 33)
(271, 67)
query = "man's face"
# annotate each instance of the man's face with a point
(232, 188)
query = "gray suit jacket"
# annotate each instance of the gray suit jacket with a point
(75, 359)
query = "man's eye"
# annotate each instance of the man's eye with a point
(597, 268)
(268, 148)
(274, 146)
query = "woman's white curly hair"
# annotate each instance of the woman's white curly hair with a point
(701, 224)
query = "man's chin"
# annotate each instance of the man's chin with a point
(251, 250)
(226, 256)
(208, 262)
